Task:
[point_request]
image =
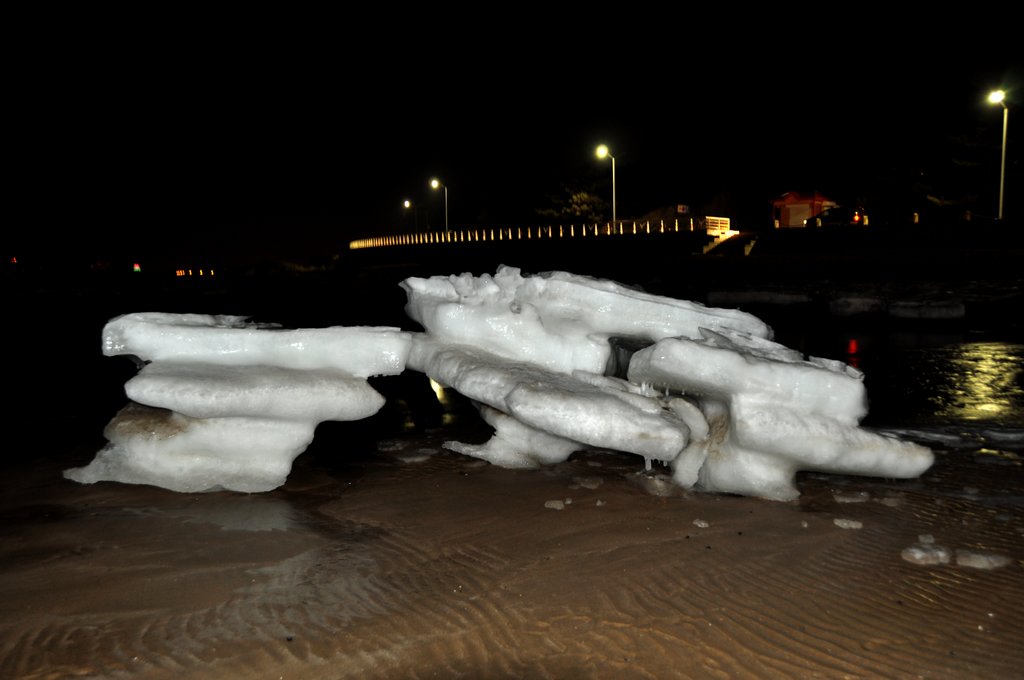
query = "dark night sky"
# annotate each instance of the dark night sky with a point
(312, 140)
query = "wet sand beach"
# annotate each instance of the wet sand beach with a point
(417, 562)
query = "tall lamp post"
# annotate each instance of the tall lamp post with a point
(999, 97)
(436, 184)
(603, 151)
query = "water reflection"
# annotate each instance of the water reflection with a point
(977, 382)
(927, 376)
(985, 382)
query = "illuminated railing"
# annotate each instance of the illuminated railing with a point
(720, 225)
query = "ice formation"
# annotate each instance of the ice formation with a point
(227, 404)
(711, 395)
(547, 359)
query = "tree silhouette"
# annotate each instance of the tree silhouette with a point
(575, 204)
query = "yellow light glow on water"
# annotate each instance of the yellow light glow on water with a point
(986, 381)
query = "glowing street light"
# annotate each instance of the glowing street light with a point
(407, 204)
(436, 184)
(999, 97)
(603, 151)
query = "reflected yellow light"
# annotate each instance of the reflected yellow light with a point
(996, 97)
(986, 381)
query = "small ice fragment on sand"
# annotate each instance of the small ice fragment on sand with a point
(926, 554)
(413, 457)
(892, 501)
(701, 523)
(390, 445)
(568, 501)
(980, 560)
(803, 524)
(599, 503)
(971, 490)
(847, 523)
(926, 539)
(586, 482)
(554, 505)
(851, 496)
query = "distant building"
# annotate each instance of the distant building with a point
(792, 208)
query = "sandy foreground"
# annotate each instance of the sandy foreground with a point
(420, 563)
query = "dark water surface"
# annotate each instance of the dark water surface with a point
(921, 376)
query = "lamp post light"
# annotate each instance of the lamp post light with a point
(603, 151)
(436, 184)
(999, 97)
(407, 204)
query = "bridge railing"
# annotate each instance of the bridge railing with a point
(530, 233)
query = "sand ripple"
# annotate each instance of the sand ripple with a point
(449, 568)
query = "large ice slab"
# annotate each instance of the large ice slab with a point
(167, 449)
(215, 391)
(721, 364)
(591, 409)
(770, 415)
(360, 351)
(559, 321)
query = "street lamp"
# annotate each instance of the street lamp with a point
(999, 97)
(435, 184)
(603, 151)
(407, 204)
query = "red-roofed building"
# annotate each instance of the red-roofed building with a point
(792, 208)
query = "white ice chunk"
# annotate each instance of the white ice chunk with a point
(926, 554)
(610, 308)
(361, 351)
(210, 391)
(720, 366)
(515, 445)
(981, 560)
(173, 451)
(594, 413)
(557, 320)
(242, 399)
(481, 314)
(844, 523)
(824, 444)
